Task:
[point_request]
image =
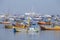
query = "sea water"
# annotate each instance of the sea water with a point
(8, 34)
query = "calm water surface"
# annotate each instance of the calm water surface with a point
(8, 34)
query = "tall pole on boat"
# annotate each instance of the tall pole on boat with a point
(28, 24)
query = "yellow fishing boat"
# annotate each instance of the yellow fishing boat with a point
(19, 27)
(25, 29)
(47, 28)
(8, 26)
(16, 29)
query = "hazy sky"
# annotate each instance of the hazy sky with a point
(23, 6)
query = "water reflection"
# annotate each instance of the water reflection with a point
(50, 35)
(26, 36)
(8, 34)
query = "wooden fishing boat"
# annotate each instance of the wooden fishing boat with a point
(44, 23)
(16, 29)
(4, 22)
(19, 27)
(25, 30)
(47, 28)
(8, 26)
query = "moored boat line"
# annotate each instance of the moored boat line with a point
(25, 21)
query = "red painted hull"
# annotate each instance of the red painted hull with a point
(44, 23)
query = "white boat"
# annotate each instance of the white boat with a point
(25, 30)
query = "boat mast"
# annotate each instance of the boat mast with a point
(28, 24)
(6, 15)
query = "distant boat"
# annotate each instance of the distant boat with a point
(4, 22)
(6, 19)
(2, 16)
(44, 23)
(36, 19)
(12, 19)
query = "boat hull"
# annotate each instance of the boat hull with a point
(19, 30)
(24, 30)
(44, 23)
(8, 26)
(46, 28)
(4, 22)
